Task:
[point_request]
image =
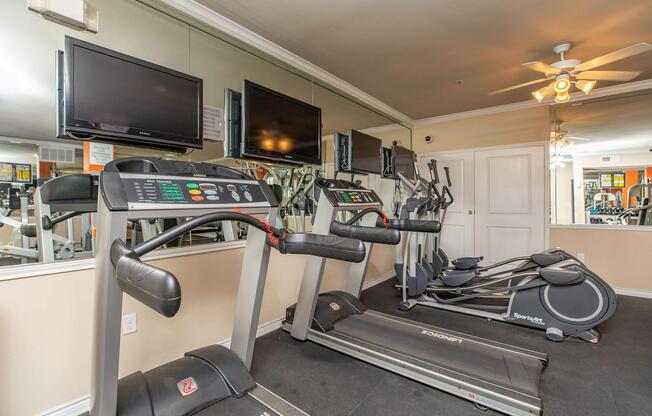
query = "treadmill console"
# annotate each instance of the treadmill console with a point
(346, 194)
(146, 191)
(353, 197)
(144, 183)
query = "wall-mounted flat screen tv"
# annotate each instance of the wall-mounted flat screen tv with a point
(115, 98)
(404, 162)
(365, 152)
(278, 127)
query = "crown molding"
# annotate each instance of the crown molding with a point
(211, 18)
(382, 129)
(575, 97)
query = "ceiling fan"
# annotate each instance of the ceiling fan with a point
(560, 137)
(566, 72)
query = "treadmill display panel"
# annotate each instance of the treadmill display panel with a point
(354, 197)
(142, 189)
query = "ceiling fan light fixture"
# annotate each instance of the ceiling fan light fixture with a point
(585, 86)
(563, 97)
(562, 84)
(540, 94)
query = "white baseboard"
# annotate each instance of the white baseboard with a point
(647, 294)
(83, 404)
(378, 279)
(72, 408)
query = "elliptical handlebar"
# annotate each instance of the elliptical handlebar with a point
(434, 173)
(448, 176)
(433, 186)
(447, 192)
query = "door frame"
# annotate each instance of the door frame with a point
(546, 174)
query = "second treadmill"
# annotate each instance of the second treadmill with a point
(491, 374)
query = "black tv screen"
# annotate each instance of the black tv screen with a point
(122, 99)
(232, 123)
(366, 153)
(279, 127)
(404, 162)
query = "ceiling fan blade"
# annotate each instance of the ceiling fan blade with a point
(622, 76)
(513, 87)
(577, 138)
(614, 56)
(542, 67)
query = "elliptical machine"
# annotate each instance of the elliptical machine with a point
(552, 291)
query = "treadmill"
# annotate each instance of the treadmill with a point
(213, 380)
(74, 195)
(490, 374)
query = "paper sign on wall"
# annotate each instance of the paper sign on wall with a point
(96, 155)
(6, 172)
(15, 172)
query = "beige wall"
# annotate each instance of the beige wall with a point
(620, 257)
(46, 322)
(521, 126)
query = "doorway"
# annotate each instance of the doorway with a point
(499, 203)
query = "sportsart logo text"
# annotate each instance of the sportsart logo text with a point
(533, 319)
(441, 336)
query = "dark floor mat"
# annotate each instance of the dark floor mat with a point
(613, 377)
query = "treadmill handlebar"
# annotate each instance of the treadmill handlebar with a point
(327, 246)
(47, 222)
(154, 287)
(379, 234)
(281, 239)
(28, 230)
(421, 226)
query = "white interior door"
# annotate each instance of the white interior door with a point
(458, 227)
(510, 202)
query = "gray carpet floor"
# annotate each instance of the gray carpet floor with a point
(611, 378)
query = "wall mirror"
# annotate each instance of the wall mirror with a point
(31, 155)
(601, 161)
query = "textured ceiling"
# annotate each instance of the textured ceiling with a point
(410, 54)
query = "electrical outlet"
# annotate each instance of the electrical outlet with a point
(581, 257)
(129, 324)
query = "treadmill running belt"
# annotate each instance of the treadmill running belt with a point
(472, 357)
(258, 402)
(244, 406)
